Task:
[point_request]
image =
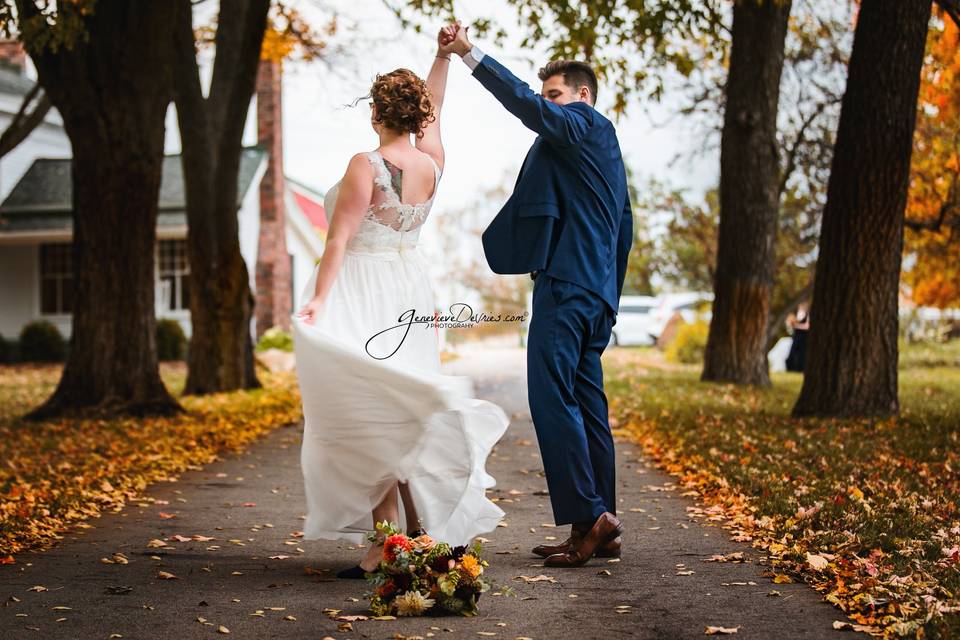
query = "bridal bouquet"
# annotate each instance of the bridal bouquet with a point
(420, 576)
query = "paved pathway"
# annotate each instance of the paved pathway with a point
(252, 577)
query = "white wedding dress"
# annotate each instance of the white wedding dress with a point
(379, 410)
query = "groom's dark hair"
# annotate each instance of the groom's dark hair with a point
(575, 75)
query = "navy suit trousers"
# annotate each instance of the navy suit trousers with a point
(569, 330)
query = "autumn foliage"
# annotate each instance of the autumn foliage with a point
(933, 211)
(864, 511)
(58, 473)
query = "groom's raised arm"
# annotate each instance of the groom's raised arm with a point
(563, 126)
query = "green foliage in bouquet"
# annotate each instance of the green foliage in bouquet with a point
(421, 576)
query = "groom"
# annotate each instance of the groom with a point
(569, 224)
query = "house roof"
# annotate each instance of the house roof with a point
(14, 82)
(312, 209)
(42, 199)
(310, 202)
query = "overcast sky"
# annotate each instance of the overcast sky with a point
(484, 144)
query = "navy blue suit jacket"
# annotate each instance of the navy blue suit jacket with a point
(569, 215)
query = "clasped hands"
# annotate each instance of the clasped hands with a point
(453, 39)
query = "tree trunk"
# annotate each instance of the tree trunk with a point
(749, 182)
(851, 365)
(112, 90)
(221, 303)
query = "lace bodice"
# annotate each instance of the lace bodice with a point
(389, 226)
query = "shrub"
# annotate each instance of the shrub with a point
(6, 351)
(40, 341)
(275, 338)
(171, 341)
(690, 343)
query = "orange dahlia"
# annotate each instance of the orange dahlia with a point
(393, 545)
(471, 565)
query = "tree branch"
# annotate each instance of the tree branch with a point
(24, 123)
(188, 94)
(791, 164)
(238, 41)
(952, 205)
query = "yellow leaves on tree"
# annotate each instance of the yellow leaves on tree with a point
(290, 35)
(933, 210)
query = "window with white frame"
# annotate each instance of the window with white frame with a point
(56, 279)
(174, 274)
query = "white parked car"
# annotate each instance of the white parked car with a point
(687, 304)
(634, 321)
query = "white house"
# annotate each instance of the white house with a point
(36, 220)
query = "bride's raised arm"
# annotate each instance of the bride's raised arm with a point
(430, 143)
(356, 189)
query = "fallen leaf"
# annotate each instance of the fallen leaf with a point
(118, 591)
(166, 575)
(223, 629)
(723, 631)
(167, 516)
(817, 562)
(538, 578)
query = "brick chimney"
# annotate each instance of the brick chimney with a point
(274, 284)
(13, 56)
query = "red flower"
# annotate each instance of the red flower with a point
(394, 545)
(386, 588)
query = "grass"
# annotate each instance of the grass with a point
(866, 511)
(57, 473)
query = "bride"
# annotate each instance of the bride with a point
(386, 434)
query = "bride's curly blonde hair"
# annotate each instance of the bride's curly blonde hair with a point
(402, 102)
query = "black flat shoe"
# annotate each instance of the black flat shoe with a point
(353, 573)
(416, 534)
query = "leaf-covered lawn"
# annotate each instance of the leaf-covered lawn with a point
(55, 474)
(865, 511)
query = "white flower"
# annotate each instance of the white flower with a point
(412, 603)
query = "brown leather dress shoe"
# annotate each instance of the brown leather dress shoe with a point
(605, 530)
(609, 550)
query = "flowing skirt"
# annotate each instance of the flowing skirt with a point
(377, 408)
